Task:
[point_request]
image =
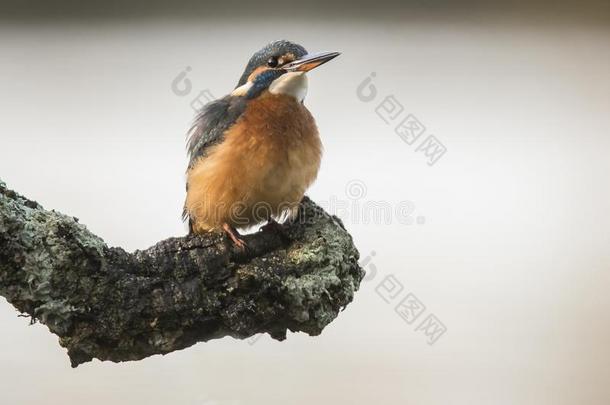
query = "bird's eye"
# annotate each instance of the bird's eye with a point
(272, 62)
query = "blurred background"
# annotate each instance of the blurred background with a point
(465, 149)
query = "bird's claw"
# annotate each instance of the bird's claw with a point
(235, 237)
(240, 244)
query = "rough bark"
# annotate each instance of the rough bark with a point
(106, 303)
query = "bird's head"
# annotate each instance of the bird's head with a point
(280, 67)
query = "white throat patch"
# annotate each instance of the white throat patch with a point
(292, 84)
(242, 90)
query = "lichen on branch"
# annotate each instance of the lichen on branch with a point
(106, 303)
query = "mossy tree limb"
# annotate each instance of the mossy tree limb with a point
(109, 304)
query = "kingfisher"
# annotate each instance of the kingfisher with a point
(254, 152)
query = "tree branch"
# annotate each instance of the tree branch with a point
(108, 304)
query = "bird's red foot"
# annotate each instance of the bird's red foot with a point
(235, 236)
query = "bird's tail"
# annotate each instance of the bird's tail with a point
(187, 217)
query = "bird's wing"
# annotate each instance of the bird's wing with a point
(208, 129)
(210, 124)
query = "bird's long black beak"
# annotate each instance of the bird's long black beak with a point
(310, 61)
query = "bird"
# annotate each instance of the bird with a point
(254, 152)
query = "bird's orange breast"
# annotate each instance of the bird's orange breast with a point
(266, 161)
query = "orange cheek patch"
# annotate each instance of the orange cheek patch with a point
(289, 57)
(256, 72)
